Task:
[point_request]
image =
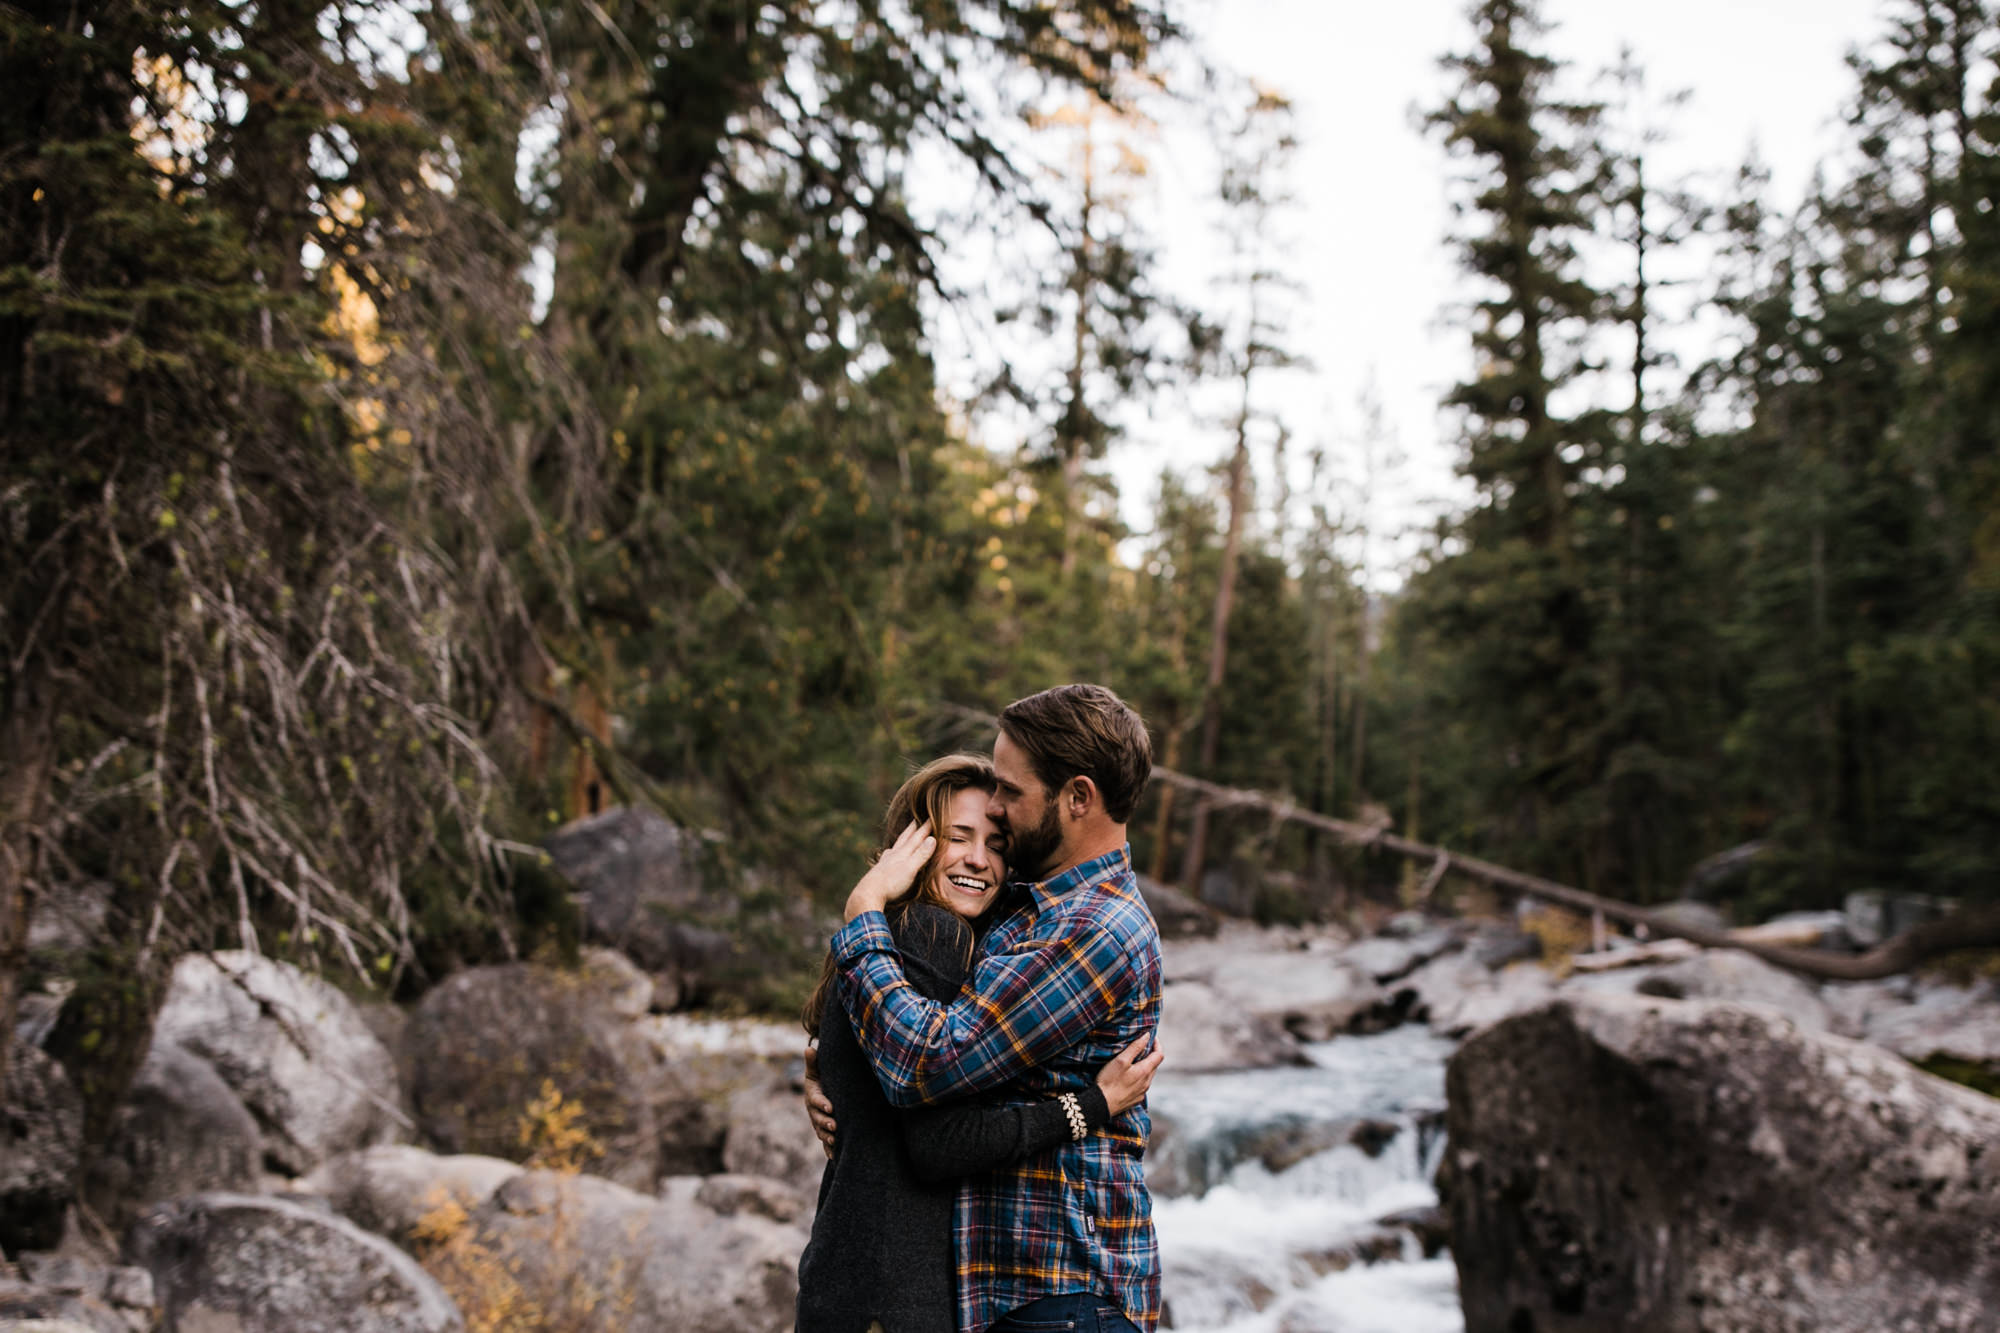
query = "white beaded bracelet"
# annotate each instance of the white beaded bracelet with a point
(1079, 1128)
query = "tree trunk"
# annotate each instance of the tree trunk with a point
(1163, 825)
(1218, 655)
(1639, 297)
(1073, 441)
(1357, 731)
(27, 758)
(1177, 659)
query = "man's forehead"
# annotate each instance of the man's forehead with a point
(1010, 765)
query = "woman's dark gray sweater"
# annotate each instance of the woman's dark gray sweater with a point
(881, 1247)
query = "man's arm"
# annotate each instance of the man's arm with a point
(1019, 1009)
(967, 1137)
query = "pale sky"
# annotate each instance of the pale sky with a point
(1373, 218)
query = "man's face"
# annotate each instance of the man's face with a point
(1023, 809)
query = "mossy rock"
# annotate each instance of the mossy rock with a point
(488, 1045)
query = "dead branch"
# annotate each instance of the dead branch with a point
(1974, 928)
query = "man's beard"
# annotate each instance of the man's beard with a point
(1034, 850)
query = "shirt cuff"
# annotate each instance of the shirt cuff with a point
(867, 933)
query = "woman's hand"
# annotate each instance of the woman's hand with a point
(1124, 1081)
(894, 871)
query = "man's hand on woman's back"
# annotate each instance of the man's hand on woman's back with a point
(819, 1109)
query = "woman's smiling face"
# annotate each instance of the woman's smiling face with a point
(971, 864)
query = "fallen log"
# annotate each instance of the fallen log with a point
(1796, 934)
(1660, 951)
(1973, 928)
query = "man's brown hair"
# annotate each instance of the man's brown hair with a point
(1084, 730)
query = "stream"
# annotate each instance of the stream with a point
(1268, 1185)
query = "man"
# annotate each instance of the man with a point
(1070, 977)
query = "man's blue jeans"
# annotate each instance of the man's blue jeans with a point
(1082, 1312)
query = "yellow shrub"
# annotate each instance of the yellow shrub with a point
(485, 1288)
(1563, 934)
(495, 1291)
(554, 1135)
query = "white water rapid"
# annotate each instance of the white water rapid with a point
(1269, 1186)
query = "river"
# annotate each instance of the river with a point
(1268, 1185)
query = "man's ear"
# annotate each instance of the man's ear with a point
(1079, 797)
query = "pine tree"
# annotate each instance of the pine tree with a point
(1659, 731)
(1519, 603)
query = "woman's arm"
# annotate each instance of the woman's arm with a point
(949, 1141)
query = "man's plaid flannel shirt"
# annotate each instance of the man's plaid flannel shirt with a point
(1069, 977)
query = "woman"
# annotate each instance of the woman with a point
(880, 1257)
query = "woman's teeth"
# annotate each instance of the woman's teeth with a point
(968, 885)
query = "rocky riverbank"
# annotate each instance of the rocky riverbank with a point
(1679, 1139)
(523, 1139)
(530, 1146)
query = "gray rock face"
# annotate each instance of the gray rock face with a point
(36, 1016)
(1731, 974)
(728, 1195)
(26, 1307)
(78, 1293)
(1853, 1005)
(1495, 946)
(240, 1263)
(41, 1133)
(391, 1189)
(1388, 957)
(484, 1042)
(1623, 1162)
(627, 991)
(1457, 994)
(1874, 916)
(1941, 1022)
(291, 1047)
(1200, 1031)
(181, 1130)
(390, 1022)
(691, 1105)
(68, 918)
(1178, 915)
(1312, 994)
(769, 1136)
(645, 895)
(593, 1256)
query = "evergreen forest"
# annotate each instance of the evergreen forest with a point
(427, 425)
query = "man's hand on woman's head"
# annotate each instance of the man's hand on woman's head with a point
(819, 1110)
(1124, 1081)
(894, 871)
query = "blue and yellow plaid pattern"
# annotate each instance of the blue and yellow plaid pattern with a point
(1068, 978)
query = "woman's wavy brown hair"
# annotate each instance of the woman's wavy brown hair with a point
(926, 797)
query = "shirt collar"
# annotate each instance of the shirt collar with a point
(1049, 891)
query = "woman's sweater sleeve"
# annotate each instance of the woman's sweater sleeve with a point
(964, 1138)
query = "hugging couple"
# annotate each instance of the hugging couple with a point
(984, 1026)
